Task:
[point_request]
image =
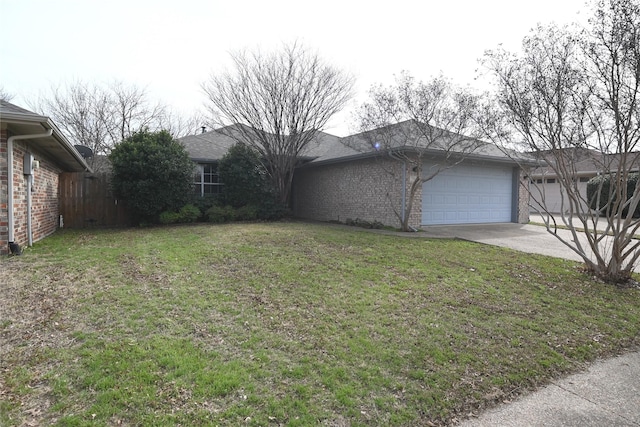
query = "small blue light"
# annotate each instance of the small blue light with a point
(376, 146)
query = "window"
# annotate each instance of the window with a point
(584, 179)
(551, 180)
(539, 181)
(206, 181)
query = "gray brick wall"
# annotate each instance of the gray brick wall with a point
(369, 189)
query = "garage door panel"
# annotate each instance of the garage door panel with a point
(468, 194)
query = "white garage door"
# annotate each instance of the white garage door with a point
(548, 194)
(468, 194)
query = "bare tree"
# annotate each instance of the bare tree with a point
(276, 103)
(132, 111)
(573, 95)
(5, 95)
(101, 116)
(427, 126)
(83, 112)
(178, 125)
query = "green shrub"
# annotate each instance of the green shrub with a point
(247, 213)
(204, 203)
(221, 214)
(364, 223)
(189, 213)
(270, 210)
(168, 217)
(152, 172)
(602, 183)
(243, 175)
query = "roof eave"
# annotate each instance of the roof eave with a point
(46, 123)
(66, 144)
(204, 160)
(341, 159)
(439, 153)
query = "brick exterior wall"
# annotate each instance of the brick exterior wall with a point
(44, 195)
(4, 213)
(368, 189)
(523, 197)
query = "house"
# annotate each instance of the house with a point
(205, 149)
(338, 180)
(33, 153)
(482, 185)
(581, 164)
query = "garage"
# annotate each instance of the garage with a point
(468, 194)
(546, 195)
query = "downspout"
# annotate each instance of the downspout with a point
(10, 220)
(29, 186)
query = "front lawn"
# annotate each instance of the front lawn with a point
(289, 324)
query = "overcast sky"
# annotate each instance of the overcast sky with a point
(171, 47)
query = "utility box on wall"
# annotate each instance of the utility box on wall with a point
(29, 164)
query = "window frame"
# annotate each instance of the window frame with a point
(206, 180)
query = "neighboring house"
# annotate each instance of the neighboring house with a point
(583, 164)
(33, 153)
(336, 182)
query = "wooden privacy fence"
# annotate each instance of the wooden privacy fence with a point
(86, 201)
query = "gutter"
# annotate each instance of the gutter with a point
(512, 160)
(46, 123)
(13, 247)
(67, 145)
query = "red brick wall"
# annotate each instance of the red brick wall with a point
(4, 214)
(44, 196)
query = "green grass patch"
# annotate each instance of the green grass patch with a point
(289, 324)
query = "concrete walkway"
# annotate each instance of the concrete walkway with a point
(521, 237)
(607, 394)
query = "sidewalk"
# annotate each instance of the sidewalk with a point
(607, 394)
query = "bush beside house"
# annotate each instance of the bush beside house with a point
(601, 191)
(154, 174)
(247, 194)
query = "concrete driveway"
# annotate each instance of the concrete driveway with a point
(521, 237)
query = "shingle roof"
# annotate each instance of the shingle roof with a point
(327, 148)
(407, 136)
(7, 109)
(585, 162)
(325, 145)
(213, 145)
(207, 146)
